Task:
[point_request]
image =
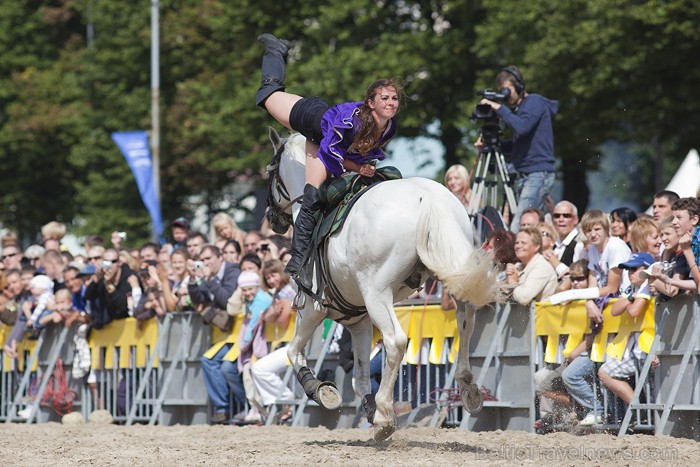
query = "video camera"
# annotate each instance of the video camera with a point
(485, 111)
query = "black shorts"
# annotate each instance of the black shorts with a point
(306, 115)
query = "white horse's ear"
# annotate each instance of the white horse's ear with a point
(274, 138)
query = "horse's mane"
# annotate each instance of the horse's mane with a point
(296, 145)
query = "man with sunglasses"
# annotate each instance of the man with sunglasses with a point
(566, 247)
(12, 257)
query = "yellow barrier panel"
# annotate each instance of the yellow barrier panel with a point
(274, 335)
(123, 334)
(555, 320)
(426, 322)
(23, 346)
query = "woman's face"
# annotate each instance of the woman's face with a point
(273, 279)
(455, 183)
(525, 248)
(249, 266)
(653, 242)
(385, 103)
(225, 231)
(617, 227)
(178, 264)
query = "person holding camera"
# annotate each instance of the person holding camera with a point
(212, 280)
(532, 146)
(108, 289)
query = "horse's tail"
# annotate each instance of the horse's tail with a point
(445, 248)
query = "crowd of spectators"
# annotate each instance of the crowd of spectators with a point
(556, 258)
(623, 255)
(220, 275)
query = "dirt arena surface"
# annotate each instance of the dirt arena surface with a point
(54, 444)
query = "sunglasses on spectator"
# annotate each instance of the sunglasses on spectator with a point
(545, 234)
(565, 215)
(578, 278)
(94, 258)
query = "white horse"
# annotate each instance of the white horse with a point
(398, 233)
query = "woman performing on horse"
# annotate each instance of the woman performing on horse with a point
(345, 137)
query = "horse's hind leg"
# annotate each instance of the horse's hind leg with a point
(361, 343)
(382, 313)
(324, 393)
(472, 398)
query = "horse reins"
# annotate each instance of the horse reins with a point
(277, 184)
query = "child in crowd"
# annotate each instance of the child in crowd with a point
(252, 336)
(573, 377)
(644, 237)
(249, 263)
(662, 277)
(614, 372)
(41, 287)
(62, 309)
(686, 220)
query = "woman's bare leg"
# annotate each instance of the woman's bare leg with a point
(315, 170)
(280, 104)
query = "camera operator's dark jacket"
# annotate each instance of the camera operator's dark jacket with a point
(533, 138)
(106, 307)
(216, 290)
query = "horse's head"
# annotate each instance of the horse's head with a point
(286, 172)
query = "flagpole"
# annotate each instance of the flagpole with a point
(155, 98)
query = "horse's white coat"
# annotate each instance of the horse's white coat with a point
(396, 228)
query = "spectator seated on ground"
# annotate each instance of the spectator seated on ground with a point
(614, 372)
(252, 336)
(267, 371)
(578, 370)
(533, 277)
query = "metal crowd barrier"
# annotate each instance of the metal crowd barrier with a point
(151, 373)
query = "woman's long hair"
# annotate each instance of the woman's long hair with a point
(365, 139)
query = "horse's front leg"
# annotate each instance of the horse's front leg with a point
(381, 311)
(361, 343)
(324, 393)
(472, 398)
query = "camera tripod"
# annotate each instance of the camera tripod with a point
(490, 171)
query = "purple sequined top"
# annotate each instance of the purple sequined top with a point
(339, 124)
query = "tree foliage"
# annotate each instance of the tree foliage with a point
(621, 70)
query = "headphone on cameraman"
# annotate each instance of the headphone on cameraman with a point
(519, 81)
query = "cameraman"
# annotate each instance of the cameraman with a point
(532, 146)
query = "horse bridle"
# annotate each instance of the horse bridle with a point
(276, 183)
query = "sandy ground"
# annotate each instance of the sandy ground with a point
(54, 444)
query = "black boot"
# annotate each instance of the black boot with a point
(273, 67)
(303, 231)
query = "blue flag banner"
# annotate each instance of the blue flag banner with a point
(134, 146)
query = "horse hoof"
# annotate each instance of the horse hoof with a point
(329, 397)
(383, 432)
(472, 399)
